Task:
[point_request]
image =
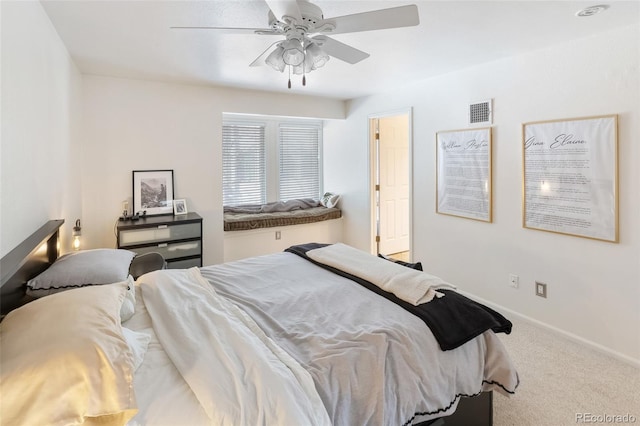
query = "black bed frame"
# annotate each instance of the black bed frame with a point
(28, 259)
(40, 250)
(471, 411)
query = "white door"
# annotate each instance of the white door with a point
(394, 184)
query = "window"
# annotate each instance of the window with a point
(299, 162)
(243, 164)
(267, 159)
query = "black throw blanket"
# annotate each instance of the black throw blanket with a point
(453, 319)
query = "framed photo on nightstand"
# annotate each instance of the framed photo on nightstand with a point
(153, 192)
(179, 207)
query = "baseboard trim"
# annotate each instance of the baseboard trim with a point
(573, 337)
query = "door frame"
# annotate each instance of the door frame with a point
(373, 172)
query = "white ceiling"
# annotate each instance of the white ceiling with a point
(133, 39)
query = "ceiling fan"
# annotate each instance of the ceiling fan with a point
(306, 45)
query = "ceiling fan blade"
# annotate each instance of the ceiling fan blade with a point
(340, 50)
(282, 8)
(395, 17)
(260, 59)
(233, 30)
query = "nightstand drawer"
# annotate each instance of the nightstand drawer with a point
(131, 237)
(184, 264)
(177, 238)
(173, 250)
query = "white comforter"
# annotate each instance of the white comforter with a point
(372, 362)
(238, 375)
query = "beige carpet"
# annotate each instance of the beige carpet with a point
(561, 380)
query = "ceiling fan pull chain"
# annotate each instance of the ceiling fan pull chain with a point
(304, 66)
(304, 71)
(289, 76)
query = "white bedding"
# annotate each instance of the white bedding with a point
(415, 287)
(372, 362)
(237, 374)
(164, 398)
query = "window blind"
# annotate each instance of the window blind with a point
(299, 175)
(243, 164)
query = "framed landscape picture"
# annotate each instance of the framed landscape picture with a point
(153, 192)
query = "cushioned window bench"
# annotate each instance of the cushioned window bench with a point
(245, 221)
(263, 229)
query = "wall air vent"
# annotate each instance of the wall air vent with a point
(480, 112)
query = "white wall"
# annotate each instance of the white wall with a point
(40, 115)
(593, 286)
(140, 125)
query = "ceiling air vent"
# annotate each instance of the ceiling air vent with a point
(480, 112)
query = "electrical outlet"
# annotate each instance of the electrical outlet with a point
(541, 289)
(278, 235)
(514, 280)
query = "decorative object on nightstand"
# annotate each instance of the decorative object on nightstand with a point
(179, 207)
(152, 192)
(177, 238)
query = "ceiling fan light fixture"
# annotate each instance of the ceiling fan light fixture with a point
(315, 57)
(275, 59)
(292, 54)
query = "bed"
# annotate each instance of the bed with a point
(275, 339)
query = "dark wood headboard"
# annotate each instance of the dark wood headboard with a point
(28, 259)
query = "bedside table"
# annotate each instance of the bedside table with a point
(177, 238)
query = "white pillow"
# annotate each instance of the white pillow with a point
(80, 269)
(64, 360)
(129, 303)
(330, 199)
(138, 343)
